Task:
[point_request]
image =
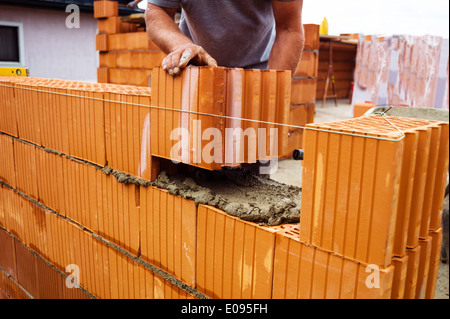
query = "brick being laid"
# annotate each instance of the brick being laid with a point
(105, 9)
(229, 95)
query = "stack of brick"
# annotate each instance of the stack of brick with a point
(376, 200)
(304, 83)
(402, 70)
(343, 59)
(126, 54)
(60, 205)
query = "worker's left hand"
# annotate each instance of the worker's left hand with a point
(180, 58)
(133, 4)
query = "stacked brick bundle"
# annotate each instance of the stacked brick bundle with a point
(402, 70)
(126, 54)
(378, 201)
(343, 59)
(304, 83)
(63, 210)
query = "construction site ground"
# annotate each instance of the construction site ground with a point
(290, 172)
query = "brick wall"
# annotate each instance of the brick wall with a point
(61, 204)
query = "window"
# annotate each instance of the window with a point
(11, 44)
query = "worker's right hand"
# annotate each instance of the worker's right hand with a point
(180, 58)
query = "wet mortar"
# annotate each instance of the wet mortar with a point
(238, 192)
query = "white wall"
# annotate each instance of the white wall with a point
(51, 49)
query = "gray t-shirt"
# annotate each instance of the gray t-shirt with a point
(236, 33)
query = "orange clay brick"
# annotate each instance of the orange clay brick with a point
(359, 109)
(312, 36)
(419, 187)
(405, 194)
(430, 181)
(303, 271)
(113, 25)
(103, 75)
(8, 122)
(228, 86)
(283, 109)
(101, 42)
(26, 170)
(303, 90)
(399, 280)
(440, 179)
(234, 258)
(295, 141)
(7, 172)
(7, 254)
(435, 258)
(105, 9)
(424, 266)
(308, 65)
(168, 238)
(252, 100)
(412, 272)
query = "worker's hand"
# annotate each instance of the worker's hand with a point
(180, 58)
(133, 4)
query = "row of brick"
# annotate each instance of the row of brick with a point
(102, 270)
(89, 121)
(172, 231)
(25, 275)
(86, 120)
(131, 59)
(76, 190)
(228, 258)
(138, 77)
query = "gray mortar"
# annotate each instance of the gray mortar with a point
(237, 192)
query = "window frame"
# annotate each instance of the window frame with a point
(21, 62)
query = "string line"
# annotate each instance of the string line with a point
(222, 116)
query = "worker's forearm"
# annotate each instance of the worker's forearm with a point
(286, 51)
(163, 31)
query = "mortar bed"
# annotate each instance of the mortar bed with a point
(238, 192)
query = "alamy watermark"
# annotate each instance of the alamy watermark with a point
(209, 146)
(373, 279)
(73, 19)
(73, 279)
